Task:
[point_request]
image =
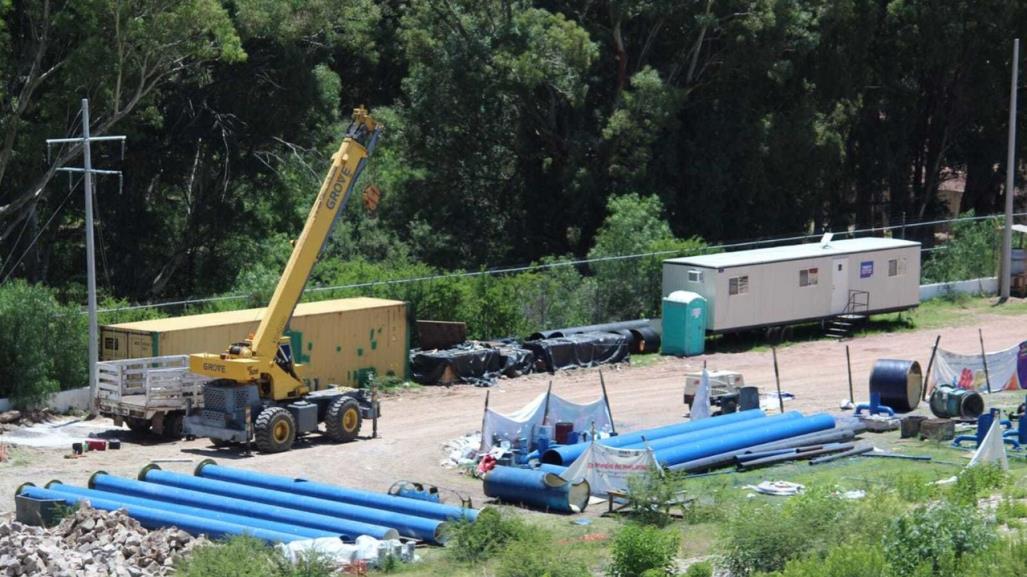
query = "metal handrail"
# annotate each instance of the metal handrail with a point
(854, 302)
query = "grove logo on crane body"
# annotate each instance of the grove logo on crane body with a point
(339, 184)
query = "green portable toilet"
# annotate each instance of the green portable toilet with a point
(684, 324)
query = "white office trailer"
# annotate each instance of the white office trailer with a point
(799, 283)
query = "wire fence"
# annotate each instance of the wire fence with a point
(505, 270)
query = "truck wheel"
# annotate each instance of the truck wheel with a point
(173, 425)
(275, 430)
(342, 421)
(138, 426)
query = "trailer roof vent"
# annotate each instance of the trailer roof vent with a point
(825, 241)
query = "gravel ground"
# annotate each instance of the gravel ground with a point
(417, 423)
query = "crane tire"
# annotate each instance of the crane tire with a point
(342, 421)
(274, 430)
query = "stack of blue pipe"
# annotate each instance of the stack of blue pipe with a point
(221, 501)
(685, 442)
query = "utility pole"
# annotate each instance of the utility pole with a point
(1007, 231)
(88, 171)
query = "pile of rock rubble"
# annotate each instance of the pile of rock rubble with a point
(91, 543)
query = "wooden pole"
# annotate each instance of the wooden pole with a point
(930, 364)
(777, 378)
(984, 359)
(606, 399)
(374, 408)
(485, 442)
(545, 413)
(848, 364)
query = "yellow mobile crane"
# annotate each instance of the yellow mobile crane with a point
(258, 393)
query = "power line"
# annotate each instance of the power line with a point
(36, 238)
(546, 266)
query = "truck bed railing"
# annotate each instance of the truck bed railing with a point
(159, 380)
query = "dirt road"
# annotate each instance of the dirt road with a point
(417, 423)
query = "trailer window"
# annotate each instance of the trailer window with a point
(808, 277)
(896, 267)
(695, 276)
(738, 285)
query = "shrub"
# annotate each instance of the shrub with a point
(764, 537)
(638, 549)
(486, 536)
(851, 560)
(647, 492)
(971, 253)
(700, 569)
(237, 557)
(976, 482)
(34, 362)
(935, 536)
(534, 555)
(913, 486)
(630, 288)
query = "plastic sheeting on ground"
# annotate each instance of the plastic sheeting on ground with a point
(524, 422)
(472, 363)
(701, 402)
(610, 469)
(580, 350)
(992, 449)
(367, 549)
(1007, 369)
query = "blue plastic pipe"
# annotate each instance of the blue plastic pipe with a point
(350, 529)
(158, 518)
(536, 488)
(566, 454)
(245, 521)
(757, 434)
(210, 470)
(724, 430)
(409, 526)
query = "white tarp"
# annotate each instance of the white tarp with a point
(993, 449)
(701, 402)
(967, 371)
(608, 468)
(524, 423)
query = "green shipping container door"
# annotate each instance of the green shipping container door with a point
(684, 324)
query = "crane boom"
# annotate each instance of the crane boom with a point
(263, 357)
(335, 191)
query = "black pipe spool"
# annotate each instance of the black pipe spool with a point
(899, 383)
(631, 339)
(647, 340)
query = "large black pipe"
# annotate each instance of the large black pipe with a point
(798, 456)
(646, 340)
(602, 328)
(900, 383)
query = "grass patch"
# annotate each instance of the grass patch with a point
(17, 456)
(645, 360)
(249, 557)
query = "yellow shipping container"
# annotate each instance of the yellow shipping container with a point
(339, 341)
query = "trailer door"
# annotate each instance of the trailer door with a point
(839, 285)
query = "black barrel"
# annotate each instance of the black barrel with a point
(900, 383)
(949, 402)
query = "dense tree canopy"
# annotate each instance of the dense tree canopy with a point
(510, 126)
